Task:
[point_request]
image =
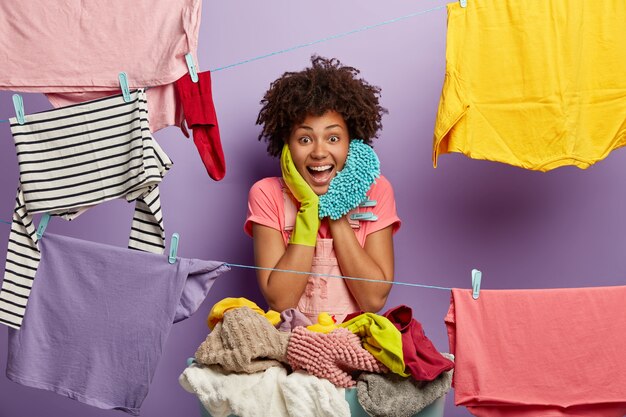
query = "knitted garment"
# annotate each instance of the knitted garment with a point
(350, 186)
(330, 355)
(222, 306)
(394, 396)
(244, 341)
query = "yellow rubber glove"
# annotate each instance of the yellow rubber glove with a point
(307, 219)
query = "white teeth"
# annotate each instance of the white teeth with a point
(322, 168)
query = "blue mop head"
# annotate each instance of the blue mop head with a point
(350, 185)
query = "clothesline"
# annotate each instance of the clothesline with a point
(328, 38)
(407, 284)
(337, 36)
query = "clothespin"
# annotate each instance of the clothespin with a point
(124, 86)
(43, 223)
(367, 216)
(173, 248)
(193, 71)
(476, 278)
(463, 3)
(18, 104)
(367, 203)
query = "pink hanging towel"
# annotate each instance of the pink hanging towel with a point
(540, 353)
(75, 50)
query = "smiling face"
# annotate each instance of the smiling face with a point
(319, 148)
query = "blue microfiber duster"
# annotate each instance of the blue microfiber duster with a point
(350, 185)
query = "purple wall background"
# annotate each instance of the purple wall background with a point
(523, 229)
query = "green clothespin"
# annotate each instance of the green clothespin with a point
(193, 71)
(476, 278)
(124, 86)
(43, 223)
(18, 104)
(173, 248)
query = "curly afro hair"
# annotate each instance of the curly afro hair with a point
(326, 85)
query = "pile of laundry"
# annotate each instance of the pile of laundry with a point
(256, 363)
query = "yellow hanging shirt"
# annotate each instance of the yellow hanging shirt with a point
(534, 83)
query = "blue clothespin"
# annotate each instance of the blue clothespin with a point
(476, 278)
(193, 71)
(367, 203)
(463, 3)
(43, 223)
(173, 248)
(124, 86)
(367, 216)
(18, 104)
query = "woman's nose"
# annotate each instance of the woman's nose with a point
(320, 150)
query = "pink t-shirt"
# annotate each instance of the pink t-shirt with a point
(266, 206)
(75, 50)
(83, 45)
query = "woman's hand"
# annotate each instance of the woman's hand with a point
(307, 220)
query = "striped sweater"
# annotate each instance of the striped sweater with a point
(71, 159)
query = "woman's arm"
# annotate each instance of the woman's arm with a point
(281, 290)
(373, 261)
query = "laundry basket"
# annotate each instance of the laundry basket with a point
(433, 410)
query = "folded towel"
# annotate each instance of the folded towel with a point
(246, 395)
(391, 395)
(309, 396)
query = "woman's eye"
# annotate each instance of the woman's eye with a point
(333, 139)
(305, 139)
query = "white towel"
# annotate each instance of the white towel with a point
(244, 395)
(309, 396)
(264, 394)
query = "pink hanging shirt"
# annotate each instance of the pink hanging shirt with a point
(78, 48)
(540, 353)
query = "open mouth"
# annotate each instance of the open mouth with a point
(321, 174)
